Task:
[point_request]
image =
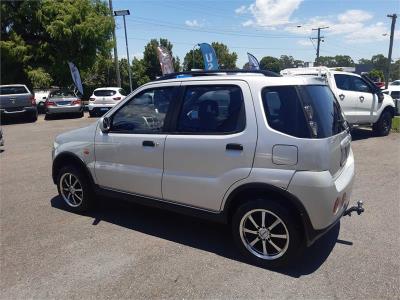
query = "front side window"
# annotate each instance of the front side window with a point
(309, 111)
(359, 85)
(144, 113)
(210, 109)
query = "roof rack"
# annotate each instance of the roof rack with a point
(216, 73)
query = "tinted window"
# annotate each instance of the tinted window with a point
(122, 92)
(144, 113)
(395, 94)
(62, 93)
(284, 112)
(322, 111)
(12, 90)
(104, 93)
(359, 85)
(343, 82)
(212, 109)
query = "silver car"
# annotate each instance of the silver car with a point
(63, 102)
(268, 155)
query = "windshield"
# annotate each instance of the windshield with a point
(104, 93)
(62, 93)
(303, 111)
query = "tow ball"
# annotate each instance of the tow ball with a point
(359, 209)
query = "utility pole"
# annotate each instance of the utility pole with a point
(123, 13)
(115, 49)
(394, 17)
(318, 38)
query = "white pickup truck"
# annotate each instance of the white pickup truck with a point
(362, 102)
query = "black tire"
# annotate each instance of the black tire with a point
(47, 116)
(33, 116)
(290, 247)
(80, 114)
(91, 114)
(384, 124)
(76, 201)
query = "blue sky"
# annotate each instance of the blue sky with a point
(358, 28)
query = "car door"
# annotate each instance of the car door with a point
(347, 97)
(129, 157)
(212, 145)
(367, 101)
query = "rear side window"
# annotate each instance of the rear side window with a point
(395, 94)
(284, 111)
(104, 93)
(212, 109)
(13, 90)
(343, 82)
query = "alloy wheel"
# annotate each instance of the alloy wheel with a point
(71, 189)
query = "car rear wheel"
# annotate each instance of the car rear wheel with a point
(33, 116)
(74, 188)
(384, 124)
(91, 114)
(266, 233)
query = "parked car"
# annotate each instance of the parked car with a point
(379, 84)
(63, 102)
(40, 98)
(16, 99)
(395, 83)
(268, 155)
(103, 99)
(1, 138)
(362, 102)
(393, 91)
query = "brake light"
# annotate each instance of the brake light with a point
(50, 103)
(117, 98)
(77, 101)
(92, 99)
(33, 101)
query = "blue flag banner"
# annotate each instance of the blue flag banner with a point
(209, 57)
(76, 77)
(253, 62)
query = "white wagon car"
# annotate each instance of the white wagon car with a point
(268, 155)
(103, 99)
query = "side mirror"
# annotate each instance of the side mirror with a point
(105, 124)
(380, 97)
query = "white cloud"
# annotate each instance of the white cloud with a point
(351, 24)
(193, 23)
(305, 43)
(270, 13)
(241, 10)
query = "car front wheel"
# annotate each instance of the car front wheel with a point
(266, 233)
(74, 189)
(384, 124)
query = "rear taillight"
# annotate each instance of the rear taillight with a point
(92, 99)
(33, 101)
(117, 98)
(77, 101)
(50, 103)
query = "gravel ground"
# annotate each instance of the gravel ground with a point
(127, 251)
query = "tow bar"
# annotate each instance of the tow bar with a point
(359, 209)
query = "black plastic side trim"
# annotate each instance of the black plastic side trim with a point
(70, 155)
(219, 217)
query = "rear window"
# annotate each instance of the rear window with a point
(303, 111)
(104, 93)
(11, 90)
(62, 93)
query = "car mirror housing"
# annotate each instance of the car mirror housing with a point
(105, 124)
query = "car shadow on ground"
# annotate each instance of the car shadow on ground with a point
(193, 232)
(11, 120)
(361, 133)
(62, 116)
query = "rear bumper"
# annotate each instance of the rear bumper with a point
(93, 106)
(318, 191)
(64, 109)
(18, 110)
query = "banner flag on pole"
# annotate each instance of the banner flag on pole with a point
(209, 57)
(165, 59)
(76, 77)
(253, 62)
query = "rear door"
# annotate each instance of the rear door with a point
(17, 96)
(212, 143)
(347, 97)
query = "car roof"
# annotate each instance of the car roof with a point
(11, 85)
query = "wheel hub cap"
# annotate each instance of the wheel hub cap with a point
(264, 233)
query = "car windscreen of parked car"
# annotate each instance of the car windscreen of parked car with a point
(304, 111)
(13, 90)
(104, 93)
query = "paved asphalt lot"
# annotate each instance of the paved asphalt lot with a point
(128, 251)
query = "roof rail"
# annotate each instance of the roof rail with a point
(216, 73)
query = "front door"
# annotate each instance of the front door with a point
(213, 144)
(347, 97)
(129, 157)
(367, 102)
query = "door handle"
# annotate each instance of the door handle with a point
(237, 147)
(148, 144)
(341, 97)
(361, 98)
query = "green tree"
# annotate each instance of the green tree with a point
(379, 61)
(38, 38)
(286, 62)
(344, 61)
(376, 75)
(270, 63)
(139, 73)
(188, 60)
